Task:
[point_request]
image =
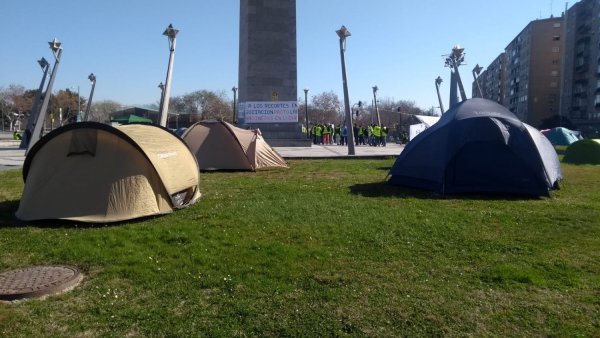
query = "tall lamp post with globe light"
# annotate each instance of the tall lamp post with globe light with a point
(306, 111)
(476, 71)
(170, 33)
(92, 79)
(343, 33)
(233, 120)
(35, 107)
(375, 89)
(438, 82)
(56, 48)
(454, 60)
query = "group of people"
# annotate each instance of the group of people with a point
(328, 134)
(373, 135)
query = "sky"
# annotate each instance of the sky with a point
(397, 45)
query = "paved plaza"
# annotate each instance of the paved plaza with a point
(11, 157)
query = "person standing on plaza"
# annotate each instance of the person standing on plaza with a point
(319, 133)
(326, 134)
(344, 135)
(376, 135)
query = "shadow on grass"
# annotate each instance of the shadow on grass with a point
(383, 189)
(384, 168)
(9, 220)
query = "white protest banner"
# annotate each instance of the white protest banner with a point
(269, 112)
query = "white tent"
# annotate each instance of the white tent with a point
(426, 122)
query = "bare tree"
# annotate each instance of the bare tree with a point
(325, 107)
(206, 104)
(101, 110)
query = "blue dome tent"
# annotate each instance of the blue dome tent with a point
(479, 146)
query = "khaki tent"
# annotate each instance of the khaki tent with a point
(219, 145)
(93, 172)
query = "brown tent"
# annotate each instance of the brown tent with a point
(93, 172)
(219, 145)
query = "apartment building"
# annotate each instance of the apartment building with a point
(581, 80)
(532, 73)
(491, 81)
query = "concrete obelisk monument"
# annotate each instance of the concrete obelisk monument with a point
(267, 88)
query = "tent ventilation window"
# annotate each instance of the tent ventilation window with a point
(83, 142)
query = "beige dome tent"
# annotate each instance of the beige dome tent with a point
(219, 145)
(93, 172)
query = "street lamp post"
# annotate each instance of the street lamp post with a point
(171, 33)
(56, 48)
(79, 115)
(476, 72)
(454, 60)
(438, 82)
(343, 33)
(375, 89)
(161, 86)
(306, 111)
(234, 120)
(92, 79)
(35, 107)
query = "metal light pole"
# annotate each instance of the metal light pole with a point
(92, 79)
(375, 89)
(162, 96)
(343, 33)
(79, 115)
(55, 45)
(454, 60)
(306, 111)
(34, 108)
(476, 72)
(233, 120)
(171, 33)
(438, 82)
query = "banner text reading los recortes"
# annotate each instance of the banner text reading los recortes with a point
(269, 112)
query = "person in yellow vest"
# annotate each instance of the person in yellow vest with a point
(376, 135)
(319, 133)
(361, 135)
(370, 137)
(384, 134)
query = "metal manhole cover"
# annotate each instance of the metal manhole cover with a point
(37, 281)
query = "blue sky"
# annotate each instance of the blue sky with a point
(395, 44)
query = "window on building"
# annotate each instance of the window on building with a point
(554, 73)
(556, 38)
(553, 84)
(557, 25)
(555, 49)
(554, 61)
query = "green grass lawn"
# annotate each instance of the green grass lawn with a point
(324, 248)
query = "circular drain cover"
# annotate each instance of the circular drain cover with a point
(37, 281)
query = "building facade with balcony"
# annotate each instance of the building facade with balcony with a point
(581, 80)
(532, 72)
(491, 81)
